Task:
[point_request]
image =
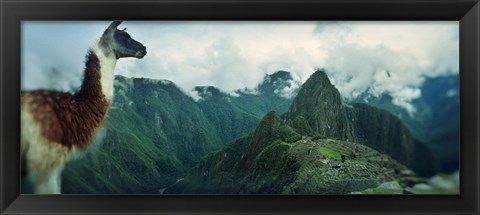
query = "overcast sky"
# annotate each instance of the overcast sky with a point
(392, 57)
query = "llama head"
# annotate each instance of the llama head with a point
(120, 43)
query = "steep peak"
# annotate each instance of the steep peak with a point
(319, 77)
(317, 91)
(318, 109)
(270, 129)
(316, 94)
(267, 124)
(273, 127)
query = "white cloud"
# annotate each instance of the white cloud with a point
(194, 95)
(53, 52)
(237, 55)
(389, 57)
(227, 55)
(288, 91)
(404, 96)
(287, 88)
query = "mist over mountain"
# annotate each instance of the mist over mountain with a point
(319, 110)
(158, 139)
(154, 133)
(382, 118)
(436, 120)
(319, 146)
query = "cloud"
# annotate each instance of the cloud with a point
(289, 91)
(195, 95)
(53, 52)
(389, 57)
(329, 26)
(221, 54)
(382, 57)
(287, 88)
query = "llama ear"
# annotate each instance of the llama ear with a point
(114, 25)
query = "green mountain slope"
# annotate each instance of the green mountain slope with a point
(384, 132)
(319, 146)
(230, 121)
(159, 140)
(435, 121)
(318, 110)
(154, 133)
(289, 165)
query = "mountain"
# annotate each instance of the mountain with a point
(318, 109)
(237, 115)
(383, 131)
(154, 133)
(229, 120)
(436, 120)
(441, 94)
(275, 93)
(319, 146)
(159, 140)
(415, 123)
(277, 160)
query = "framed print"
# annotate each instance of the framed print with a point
(239, 107)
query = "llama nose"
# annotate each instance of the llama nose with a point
(141, 53)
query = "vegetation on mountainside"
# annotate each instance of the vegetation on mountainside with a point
(154, 133)
(159, 140)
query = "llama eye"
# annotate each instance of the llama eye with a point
(125, 35)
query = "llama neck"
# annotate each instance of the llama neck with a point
(98, 77)
(107, 66)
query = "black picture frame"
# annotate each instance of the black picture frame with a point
(12, 12)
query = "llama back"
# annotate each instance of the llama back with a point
(64, 119)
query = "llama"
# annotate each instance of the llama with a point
(57, 126)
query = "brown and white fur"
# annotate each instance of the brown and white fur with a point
(55, 126)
